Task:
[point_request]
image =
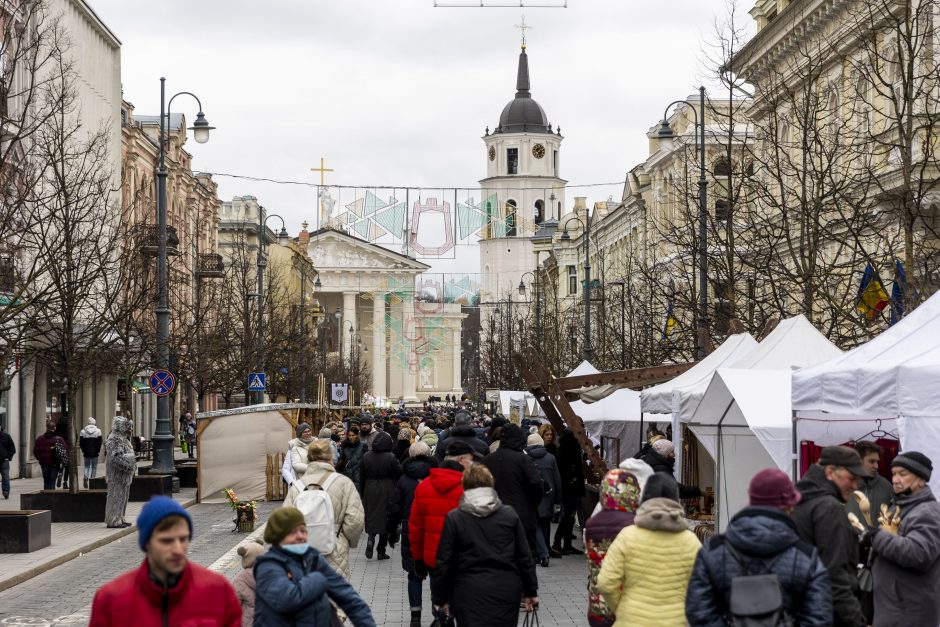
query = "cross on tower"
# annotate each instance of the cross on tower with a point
(322, 170)
(523, 27)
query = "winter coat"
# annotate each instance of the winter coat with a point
(545, 462)
(878, 490)
(907, 566)
(759, 535)
(295, 591)
(821, 520)
(350, 460)
(647, 567)
(430, 438)
(463, 433)
(44, 449)
(401, 450)
(399, 506)
(434, 498)
(484, 566)
(619, 497)
(380, 471)
(7, 447)
(571, 469)
(90, 441)
(297, 449)
(244, 584)
(668, 465)
(348, 514)
(200, 597)
(518, 481)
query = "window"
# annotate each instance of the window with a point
(572, 280)
(539, 211)
(555, 163)
(512, 161)
(510, 218)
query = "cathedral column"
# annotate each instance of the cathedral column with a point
(410, 327)
(456, 345)
(349, 322)
(378, 345)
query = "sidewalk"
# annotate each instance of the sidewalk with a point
(69, 540)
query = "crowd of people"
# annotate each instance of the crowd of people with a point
(469, 503)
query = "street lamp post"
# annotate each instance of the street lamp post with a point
(565, 237)
(623, 316)
(163, 437)
(538, 304)
(262, 264)
(665, 132)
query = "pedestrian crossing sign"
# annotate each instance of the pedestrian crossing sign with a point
(257, 382)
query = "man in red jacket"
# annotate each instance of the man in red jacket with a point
(167, 589)
(434, 497)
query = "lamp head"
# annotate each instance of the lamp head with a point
(665, 131)
(201, 128)
(317, 284)
(283, 237)
(564, 236)
(521, 287)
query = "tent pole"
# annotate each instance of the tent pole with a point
(642, 435)
(719, 446)
(796, 456)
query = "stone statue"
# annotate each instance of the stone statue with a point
(121, 466)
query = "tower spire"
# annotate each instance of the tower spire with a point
(522, 76)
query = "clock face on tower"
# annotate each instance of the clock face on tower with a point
(492, 153)
(538, 151)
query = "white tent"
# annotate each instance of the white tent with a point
(744, 419)
(891, 379)
(665, 397)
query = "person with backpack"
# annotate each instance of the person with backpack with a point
(44, 450)
(551, 498)
(294, 584)
(759, 572)
(331, 507)
(646, 571)
(380, 471)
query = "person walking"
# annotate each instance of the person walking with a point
(619, 498)
(297, 448)
(462, 431)
(167, 588)
(645, 573)
(572, 489)
(551, 496)
(90, 441)
(906, 569)
(294, 584)
(350, 456)
(380, 472)
(484, 565)
(348, 513)
(821, 521)
(402, 444)
(190, 435)
(7, 451)
(415, 468)
(44, 452)
(761, 539)
(518, 481)
(244, 582)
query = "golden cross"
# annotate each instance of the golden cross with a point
(322, 170)
(523, 27)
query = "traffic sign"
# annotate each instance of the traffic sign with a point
(162, 382)
(257, 382)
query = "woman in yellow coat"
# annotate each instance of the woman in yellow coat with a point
(647, 568)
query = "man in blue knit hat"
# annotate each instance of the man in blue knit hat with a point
(167, 589)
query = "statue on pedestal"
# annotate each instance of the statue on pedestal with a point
(121, 466)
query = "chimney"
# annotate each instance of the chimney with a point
(304, 238)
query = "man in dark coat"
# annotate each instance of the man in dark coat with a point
(907, 548)
(759, 534)
(552, 494)
(518, 481)
(7, 451)
(821, 520)
(462, 432)
(380, 471)
(572, 491)
(350, 457)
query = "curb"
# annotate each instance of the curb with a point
(66, 557)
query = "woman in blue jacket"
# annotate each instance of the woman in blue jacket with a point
(293, 582)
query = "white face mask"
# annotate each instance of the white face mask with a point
(297, 549)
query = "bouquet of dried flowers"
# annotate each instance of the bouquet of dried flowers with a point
(244, 510)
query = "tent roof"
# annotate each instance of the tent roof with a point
(622, 405)
(659, 399)
(583, 368)
(795, 342)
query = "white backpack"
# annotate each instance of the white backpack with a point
(315, 504)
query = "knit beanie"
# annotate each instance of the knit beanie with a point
(664, 447)
(534, 439)
(772, 487)
(301, 428)
(282, 521)
(660, 485)
(916, 462)
(250, 551)
(156, 509)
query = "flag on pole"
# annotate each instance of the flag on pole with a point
(669, 325)
(898, 290)
(872, 297)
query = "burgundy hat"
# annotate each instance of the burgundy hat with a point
(772, 487)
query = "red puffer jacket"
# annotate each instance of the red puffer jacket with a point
(434, 497)
(200, 598)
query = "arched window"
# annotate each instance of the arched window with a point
(510, 218)
(539, 211)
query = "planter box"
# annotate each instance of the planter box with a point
(86, 506)
(143, 487)
(185, 472)
(25, 531)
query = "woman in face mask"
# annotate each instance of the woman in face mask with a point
(294, 583)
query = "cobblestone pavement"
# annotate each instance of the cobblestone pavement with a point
(63, 595)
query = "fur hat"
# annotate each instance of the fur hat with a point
(664, 447)
(282, 521)
(250, 551)
(419, 448)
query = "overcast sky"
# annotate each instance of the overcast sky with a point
(398, 92)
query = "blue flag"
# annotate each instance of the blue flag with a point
(897, 292)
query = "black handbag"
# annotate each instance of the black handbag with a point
(531, 619)
(442, 619)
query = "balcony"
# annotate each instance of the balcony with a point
(209, 265)
(147, 240)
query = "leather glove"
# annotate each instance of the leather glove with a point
(421, 570)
